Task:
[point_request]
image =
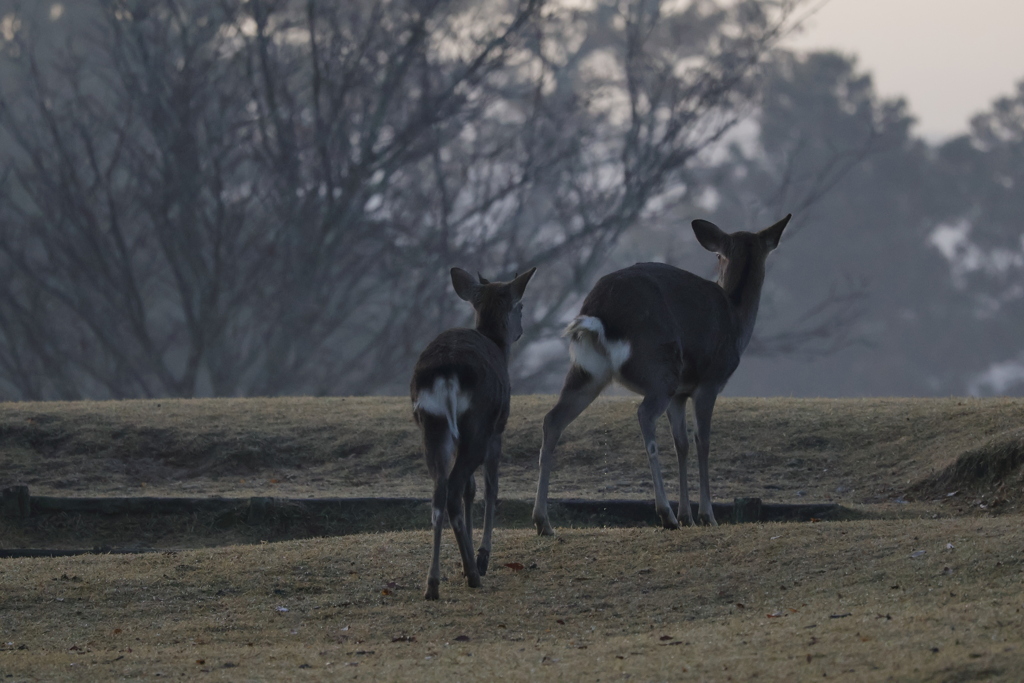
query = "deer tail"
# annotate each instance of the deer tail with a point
(591, 349)
(442, 399)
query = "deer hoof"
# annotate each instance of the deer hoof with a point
(483, 557)
(431, 593)
(668, 520)
(708, 520)
(473, 581)
(544, 527)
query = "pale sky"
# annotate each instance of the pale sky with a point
(948, 58)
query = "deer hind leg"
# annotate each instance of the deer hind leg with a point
(437, 514)
(438, 447)
(579, 391)
(647, 414)
(483, 556)
(461, 489)
(677, 421)
(468, 496)
(703, 407)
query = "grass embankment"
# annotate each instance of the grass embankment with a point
(852, 451)
(921, 591)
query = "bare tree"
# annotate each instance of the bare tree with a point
(258, 198)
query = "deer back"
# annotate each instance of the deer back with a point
(479, 366)
(676, 323)
(466, 370)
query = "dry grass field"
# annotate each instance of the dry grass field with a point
(926, 583)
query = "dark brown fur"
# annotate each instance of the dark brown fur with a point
(685, 336)
(476, 361)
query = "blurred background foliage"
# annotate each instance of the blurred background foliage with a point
(264, 197)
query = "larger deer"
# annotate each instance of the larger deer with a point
(460, 399)
(671, 336)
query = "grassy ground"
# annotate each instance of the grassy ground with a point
(851, 451)
(930, 600)
(928, 590)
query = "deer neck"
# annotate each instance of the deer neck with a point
(743, 286)
(496, 330)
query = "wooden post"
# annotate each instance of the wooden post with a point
(16, 502)
(746, 510)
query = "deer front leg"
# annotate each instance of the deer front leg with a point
(677, 421)
(703, 407)
(483, 555)
(647, 414)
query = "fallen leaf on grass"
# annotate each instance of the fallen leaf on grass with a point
(282, 609)
(918, 553)
(840, 616)
(404, 639)
(515, 566)
(462, 638)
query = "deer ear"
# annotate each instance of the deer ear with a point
(771, 236)
(710, 236)
(464, 284)
(519, 284)
(483, 280)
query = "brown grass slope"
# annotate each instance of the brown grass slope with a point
(869, 600)
(851, 451)
(894, 597)
(992, 472)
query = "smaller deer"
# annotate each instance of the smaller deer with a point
(460, 400)
(669, 335)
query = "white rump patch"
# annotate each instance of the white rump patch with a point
(591, 350)
(445, 399)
